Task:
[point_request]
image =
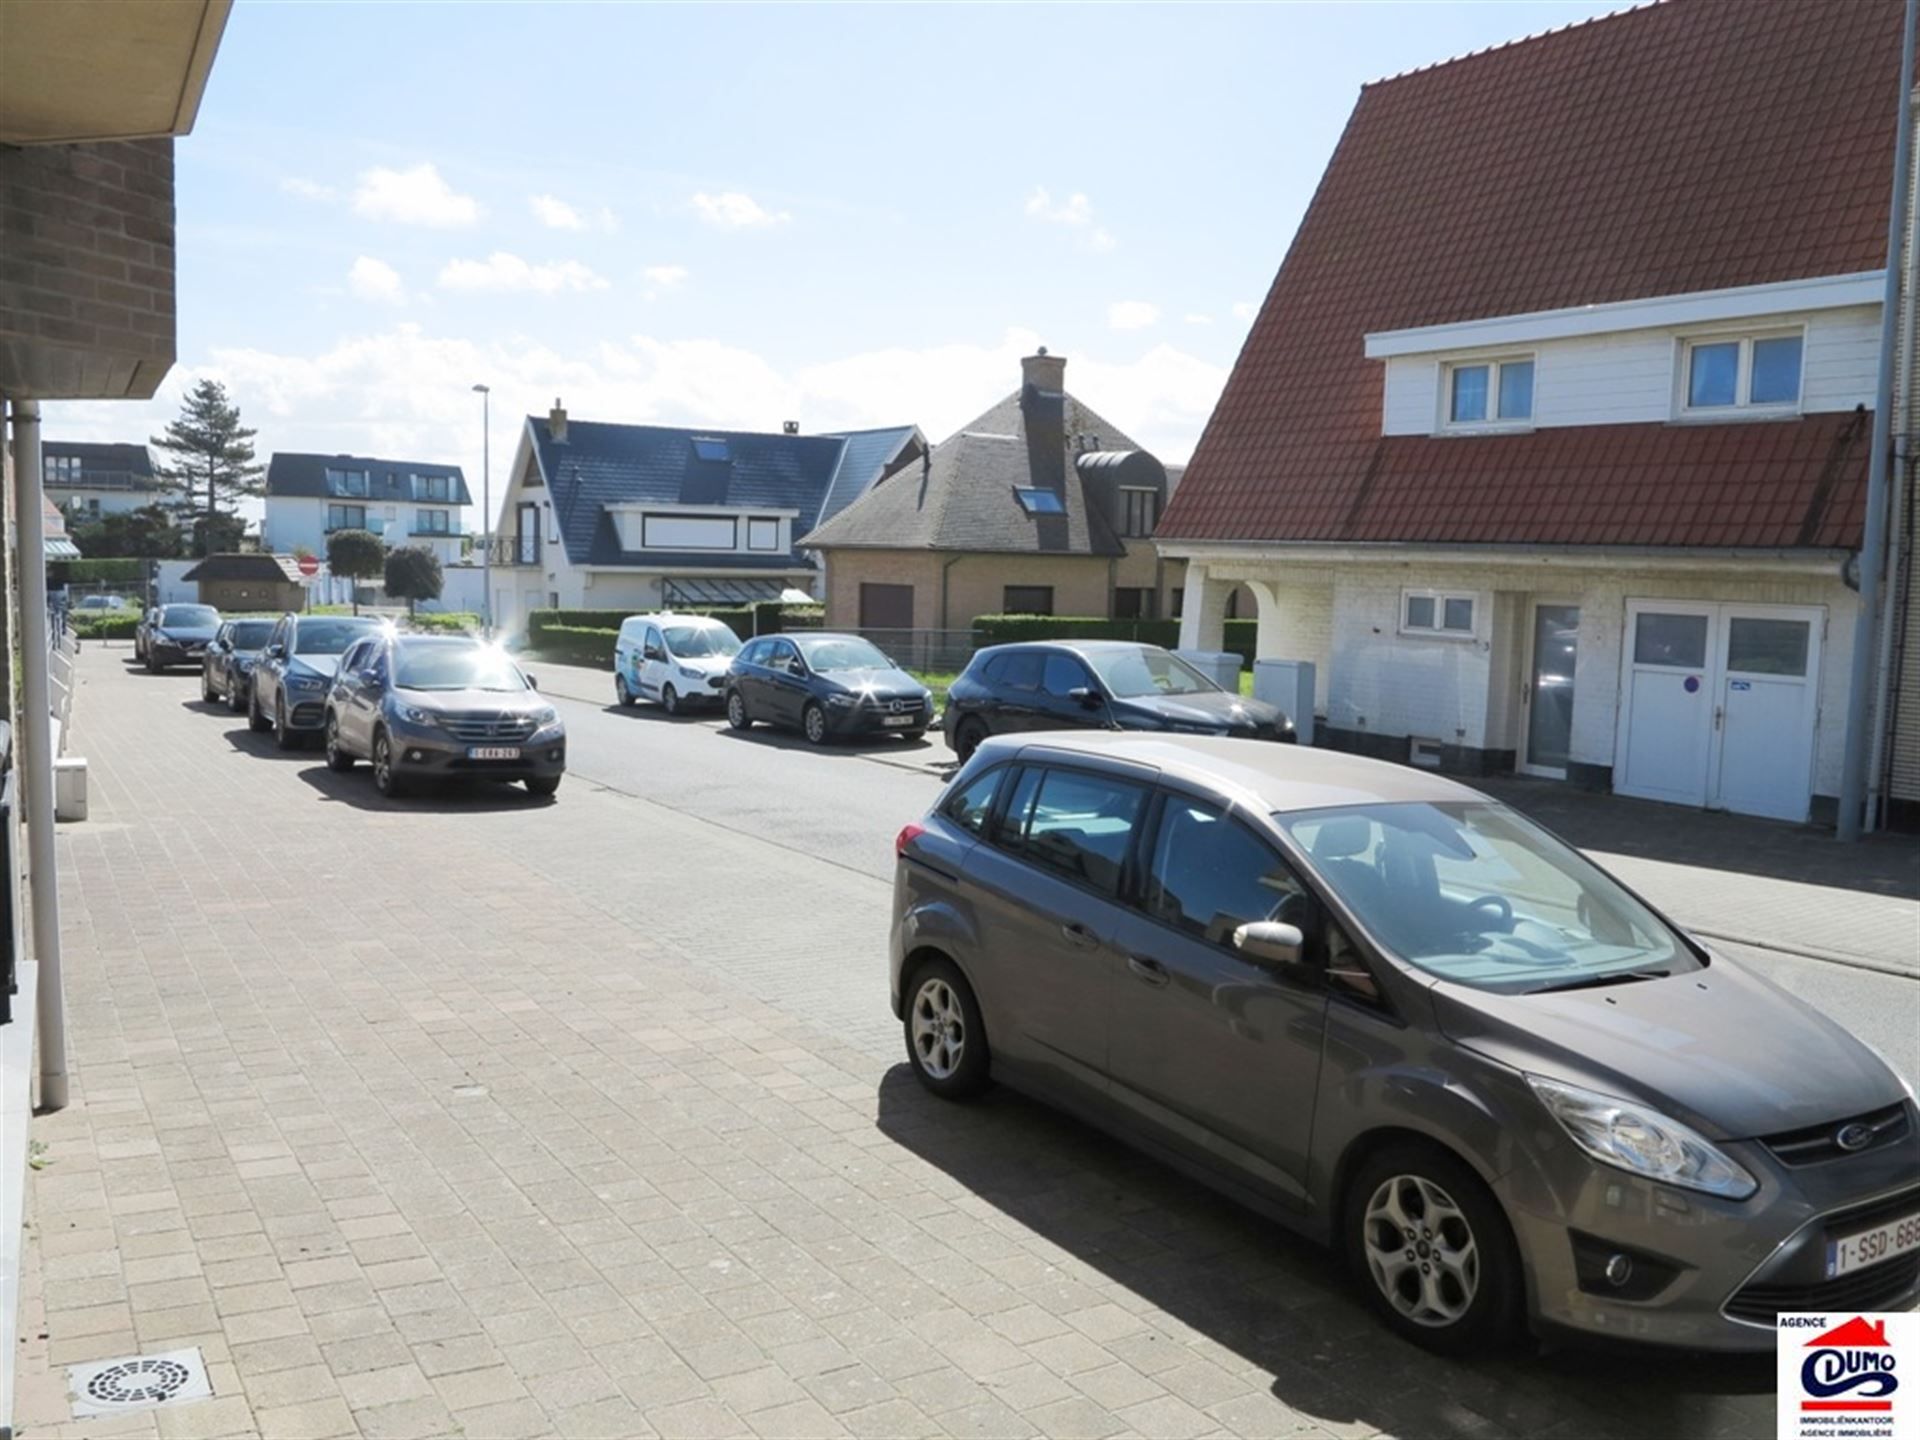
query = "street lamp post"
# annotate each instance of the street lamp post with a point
(486, 511)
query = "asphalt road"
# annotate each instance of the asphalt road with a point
(843, 805)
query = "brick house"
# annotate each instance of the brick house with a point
(606, 516)
(1551, 451)
(1040, 506)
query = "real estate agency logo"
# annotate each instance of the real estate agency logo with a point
(1840, 1375)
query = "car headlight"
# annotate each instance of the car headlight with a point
(1632, 1137)
(305, 682)
(414, 715)
(843, 699)
(689, 673)
(546, 717)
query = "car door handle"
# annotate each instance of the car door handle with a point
(1079, 936)
(1150, 971)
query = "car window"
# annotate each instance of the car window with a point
(1079, 825)
(249, 634)
(355, 658)
(189, 615)
(328, 637)
(1209, 874)
(701, 642)
(1062, 675)
(784, 657)
(970, 807)
(1018, 671)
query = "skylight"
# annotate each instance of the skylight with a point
(706, 448)
(1040, 502)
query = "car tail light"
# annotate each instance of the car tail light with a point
(908, 834)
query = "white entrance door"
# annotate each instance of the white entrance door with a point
(1719, 705)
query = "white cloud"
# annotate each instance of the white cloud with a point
(555, 213)
(307, 189)
(413, 197)
(734, 210)
(1194, 317)
(1245, 310)
(373, 279)
(1075, 212)
(1132, 314)
(501, 271)
(667, 277)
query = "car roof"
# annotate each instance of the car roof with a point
(1267, 775)
(1079, 647)
(415, 641)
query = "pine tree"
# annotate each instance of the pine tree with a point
(212, 464)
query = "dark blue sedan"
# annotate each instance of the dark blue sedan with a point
(825, 686)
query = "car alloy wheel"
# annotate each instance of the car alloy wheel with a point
(737, 715)
(284, 736)
(814, 722)
(255, 720)
(337, 758)
(206, 689)
(946, 1043)
(967, 738)
(236, 702)
(670, 700)
(384, 778)
(1421, 1251)
(620, 690)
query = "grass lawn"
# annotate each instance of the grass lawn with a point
(938, 681)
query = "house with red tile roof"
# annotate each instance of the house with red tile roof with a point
(1549, 445)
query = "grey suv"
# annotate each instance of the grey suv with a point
(293, 673)
(1402, 1019)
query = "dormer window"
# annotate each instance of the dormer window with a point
(1737, 373)
(707, 448)
(1040, 501)
(346, 482)
(1489, 392)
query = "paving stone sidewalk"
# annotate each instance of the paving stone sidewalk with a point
(454, 1118)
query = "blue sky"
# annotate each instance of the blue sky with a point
(734, 216)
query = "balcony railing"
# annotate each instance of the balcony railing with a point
(521, 549)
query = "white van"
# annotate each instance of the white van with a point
(674, 660)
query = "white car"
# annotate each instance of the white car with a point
(673, 660)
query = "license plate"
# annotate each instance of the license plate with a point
(1870, 1247)
(896, 719)
(494, 752)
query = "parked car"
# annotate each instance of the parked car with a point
(825, 686)
(295, 670)
(437, 707)
(1096, 685)
(226, 670)
(675, 660)
(174, 635)
(1404, 1020)
(101, 604)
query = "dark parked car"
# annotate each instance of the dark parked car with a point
(1401, 1018)
(1096, 685)
(226, 670)
(295, 670)
(441, 707)
(174, 635)
(825, 686)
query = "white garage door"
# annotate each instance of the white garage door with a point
(1719, 705)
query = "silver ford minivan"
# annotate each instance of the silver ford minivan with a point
(1404, 1020)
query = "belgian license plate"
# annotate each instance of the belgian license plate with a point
(1870, 1247)
(494, 752)
(896, 719)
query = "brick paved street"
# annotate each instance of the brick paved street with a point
(479, 1115)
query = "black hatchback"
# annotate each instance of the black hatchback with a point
(1097, 685)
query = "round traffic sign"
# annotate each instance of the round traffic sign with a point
(309, 565)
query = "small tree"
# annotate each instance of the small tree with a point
(212, 463)
(145, 534)
(218, 534)
(413, 573)
(356, 554)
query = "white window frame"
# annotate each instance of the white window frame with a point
(759, 525)
(1437, 630)
(1492, 364)
(1742, 407)
(650, 518)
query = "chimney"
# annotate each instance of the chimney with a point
(1043, 401)
(789, 427)
(557, 422)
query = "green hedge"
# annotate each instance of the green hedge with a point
(576, 645)
(109, 626)
(88, 572)
(746, 621)
(451, 622)
(1007, 629)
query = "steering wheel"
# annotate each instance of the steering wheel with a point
(1501, 907)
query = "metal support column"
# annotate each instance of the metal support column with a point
(36, 759)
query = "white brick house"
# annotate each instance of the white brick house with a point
(1559, 465)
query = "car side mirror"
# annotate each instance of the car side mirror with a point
(1085, 696)
(532, 684)
(1270, 942)
(652, 652)
(276, 651)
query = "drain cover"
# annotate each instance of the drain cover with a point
(139, 1382)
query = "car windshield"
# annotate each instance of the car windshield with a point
(1473, 893)
(250, 634)
(330, 637)
(698, 642)
(193, 617)
(457, 667)
(843, 652)
(1140, 670)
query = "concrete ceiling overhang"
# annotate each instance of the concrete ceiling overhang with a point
(104, 70)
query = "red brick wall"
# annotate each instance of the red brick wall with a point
(86, 269)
